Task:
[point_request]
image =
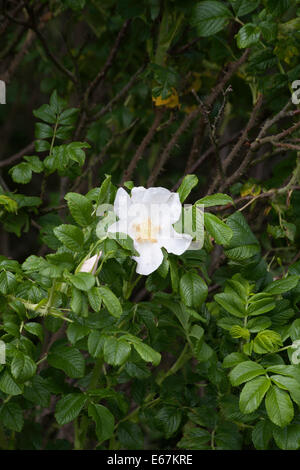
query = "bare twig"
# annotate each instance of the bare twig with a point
(36, 28)
(17, 156)
(204, 156)
(166, 153)
(232, 68)
(97, 80)
(275, 138)
(269, 122)
(119, 95)
(30, 36)
(99, 159)
(238, 146)
(144, 144)
(101, 75)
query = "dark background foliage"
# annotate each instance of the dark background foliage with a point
(148, 92)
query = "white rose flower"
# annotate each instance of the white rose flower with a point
(90, 265)
(147, 217)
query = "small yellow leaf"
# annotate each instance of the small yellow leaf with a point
(172, 101)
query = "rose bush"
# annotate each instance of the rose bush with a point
(142, 308)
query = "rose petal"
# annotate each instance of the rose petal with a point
(150, 257)
(137, 194)
(122, 203)
(156, 195)
(174, 207)
(119, 227)
(174, 242)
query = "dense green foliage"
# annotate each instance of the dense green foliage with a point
(192, 96)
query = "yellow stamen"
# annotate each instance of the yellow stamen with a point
(146, 231)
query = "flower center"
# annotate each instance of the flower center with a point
(146, 231)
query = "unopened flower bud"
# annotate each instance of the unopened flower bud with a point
(90, 265)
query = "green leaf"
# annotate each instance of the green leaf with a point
(253, 394)
(168, 419)
(21, 173)
(144, 350)
(37, 391)
(238, 286)
(46, 113)
(233, 359)
(267, 341)
(243, 7)
(69, 407)
(294, 330)
(79, 304)
(210, 17)
(197, 332)
(195, 439)
(217, 199)
(248, 35)
(68, 359)
(58, 160)
(74, 151)
(164, 268)
(80, 208)
(9, 204)
(64, 133)
(139, 371)
(258, 307)
(34, 263)
(110, 301)
(179, 309)
(11, 416)
(96, 343)
(188, 183)
(27, 201)
(116, 351)
(290, 384)
(217, 229)
(243, 243)
(56, 103)
(75, 332)
(7, 282)
(282, 285)
(287, 438)
(43, 131)
(278, 7)
(35, 164)
(193, 290)
(279, 406)
(70, 236)
(174, 274)
(130, 436)
(261, 435)
(22, 367)
(231, 303)
(288, 371)
(104, 420)
(41, 146)
(238, 331)
(228, 437)
(269, 31)
(258, 324)
(68, 117)
(245, 371)
(8, 385)
(106, 192)
(35, 329)
(95, 298)
(82, 281)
